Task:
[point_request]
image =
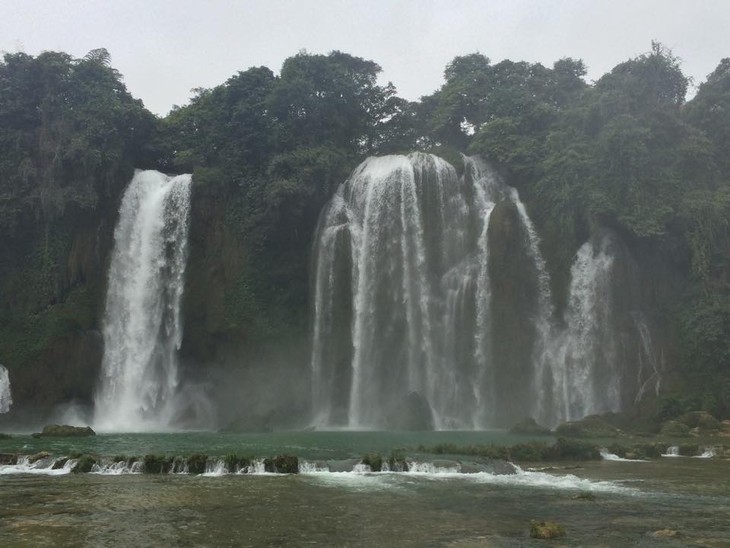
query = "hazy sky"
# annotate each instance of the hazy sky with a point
(164, 48)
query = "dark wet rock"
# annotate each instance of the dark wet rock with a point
(84, 465)
(592, 426)
(282, 464)
(674, 429)
(8, 459)
(546, 530)
(60, 463)
(64, 431)
(529, 426)
(413, 414)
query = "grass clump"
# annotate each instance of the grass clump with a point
(546, 530)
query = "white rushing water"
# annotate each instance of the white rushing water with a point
(142, 324)
(6, 397)
(402, 276)
(582, 355)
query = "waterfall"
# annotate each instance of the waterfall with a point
(415, 316)
(585, 376)
(6, 398)
(401, 295)
(142, 327)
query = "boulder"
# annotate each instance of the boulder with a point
(529, 427)
(64, 431)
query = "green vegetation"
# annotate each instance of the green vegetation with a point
(374, 461)
(282, 464)
(267, 151)
(156, 464)
(84, 464)
(562, 449)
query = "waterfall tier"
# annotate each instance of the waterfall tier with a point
(142, 326)
(433, 308)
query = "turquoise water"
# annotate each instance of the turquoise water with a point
(319, 445)
(602, 503)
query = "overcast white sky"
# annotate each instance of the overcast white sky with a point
(164, 48)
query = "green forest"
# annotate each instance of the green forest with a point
(641, 151)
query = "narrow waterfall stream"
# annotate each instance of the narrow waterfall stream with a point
(142, 325)
(6, 398)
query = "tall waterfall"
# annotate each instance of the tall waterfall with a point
(416, 314)
(6, 398)
(142, 326)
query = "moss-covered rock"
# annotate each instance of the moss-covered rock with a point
(374, 461)
(571, 449)
(282, 464)
(64, 431)
(703, 422)
(197, 463)
(38, 456)
(546, 530)
(8, 459)
(84, 464)
(530, 427)
(5, 436)
(156, 464)
(592, 426)
(674, 429)
(60, 463)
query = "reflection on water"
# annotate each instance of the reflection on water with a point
(370, 509)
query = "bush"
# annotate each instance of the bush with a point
(156, 464)
(374, 461)
(197, 463)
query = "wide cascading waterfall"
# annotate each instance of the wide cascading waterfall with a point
(401, 296)
(433, 308)
(6, 398)
(142, 327)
